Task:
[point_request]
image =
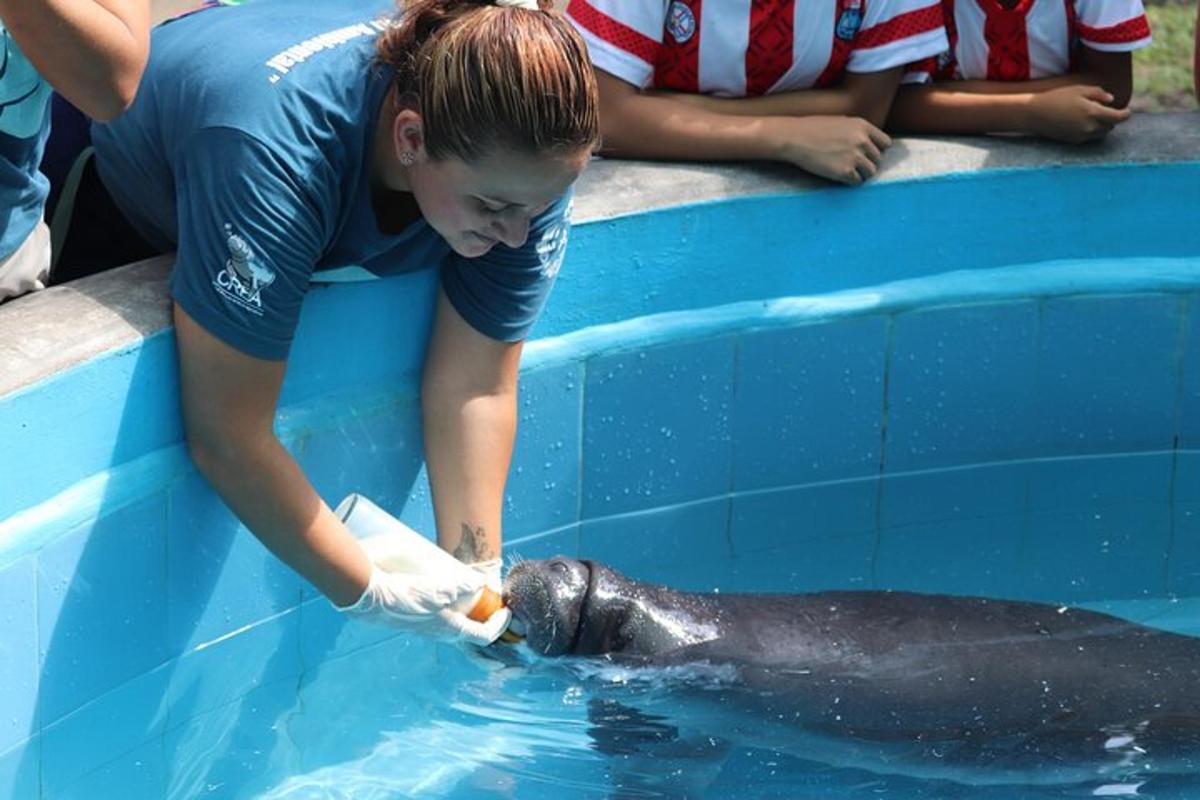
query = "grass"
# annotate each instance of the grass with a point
(1162, 72)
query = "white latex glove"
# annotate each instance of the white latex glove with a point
(490, 570)
(426, 606)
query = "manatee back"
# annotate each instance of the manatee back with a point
(901, 661)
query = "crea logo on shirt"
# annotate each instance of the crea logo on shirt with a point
(242, 280)
(681, 22)
(551, 247)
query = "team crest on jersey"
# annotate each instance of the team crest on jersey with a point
(681, 22)
(242, 280)
(849, 21)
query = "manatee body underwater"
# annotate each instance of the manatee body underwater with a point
(968, 689)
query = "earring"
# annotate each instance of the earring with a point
(407, 158)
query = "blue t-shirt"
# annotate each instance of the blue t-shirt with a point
(24, 126)
(248, 150)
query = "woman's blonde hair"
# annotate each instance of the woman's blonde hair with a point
(486, 77)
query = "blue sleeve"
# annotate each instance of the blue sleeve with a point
(249, 237)
(500, 294)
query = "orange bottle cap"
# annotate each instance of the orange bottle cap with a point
(489, 603)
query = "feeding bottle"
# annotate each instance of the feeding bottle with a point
(409, 552)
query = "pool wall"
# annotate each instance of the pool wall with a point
(770, 383)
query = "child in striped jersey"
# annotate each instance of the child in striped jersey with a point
(802, 82)
(1061, 69)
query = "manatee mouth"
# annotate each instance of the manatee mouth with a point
(548, 600)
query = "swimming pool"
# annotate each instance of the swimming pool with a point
(980, 375)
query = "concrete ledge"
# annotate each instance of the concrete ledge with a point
(45, 333)
(615, 188)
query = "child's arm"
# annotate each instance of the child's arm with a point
(91, 51)
(638, 124)
(1077, 107)
(867, 95)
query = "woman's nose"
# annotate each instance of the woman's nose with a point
(513, 228)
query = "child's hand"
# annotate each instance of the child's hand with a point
(1075, 114)
(842, 149)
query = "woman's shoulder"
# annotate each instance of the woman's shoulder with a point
(265, 56)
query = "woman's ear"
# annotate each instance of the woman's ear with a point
(408, 136)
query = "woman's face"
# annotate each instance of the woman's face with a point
(477, 205)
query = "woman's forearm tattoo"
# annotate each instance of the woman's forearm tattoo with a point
(473, 545)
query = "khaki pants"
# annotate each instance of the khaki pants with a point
(27, 269)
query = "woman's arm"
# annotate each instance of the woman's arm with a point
(229, 401)
(1076, 107)
(91, 51)
(637, 124)
(469, 403)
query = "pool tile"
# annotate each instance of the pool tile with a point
(327, 633)
(1103, 553)
(224, 670)
(1187, 477)
(221, 578)
(20, 769)
(960, 386)
(1091, 482)
(811, 565)
(416, 508)
(959, 556)
(141, 773)
(826, 512)
(1185, 551)
(953, 494)
(368, 332)
(1189, 424)
(687, 545)
(1107, 374)
(543, 483)
(18, 653)
(377, 453)
(102, 598)
(656, 427)
(809, 403)
(114, 725)
(561, 542)
(242, 746)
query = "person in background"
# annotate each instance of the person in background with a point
(92, 52)
(276, 142)
(805, 83)
(1061, 69)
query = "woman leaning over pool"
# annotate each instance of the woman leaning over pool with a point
(275, 140)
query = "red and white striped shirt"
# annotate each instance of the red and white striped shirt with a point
(1034, 39)
(740, 48)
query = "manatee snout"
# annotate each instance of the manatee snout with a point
(547, 597)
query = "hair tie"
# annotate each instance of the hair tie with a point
(531, 5)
